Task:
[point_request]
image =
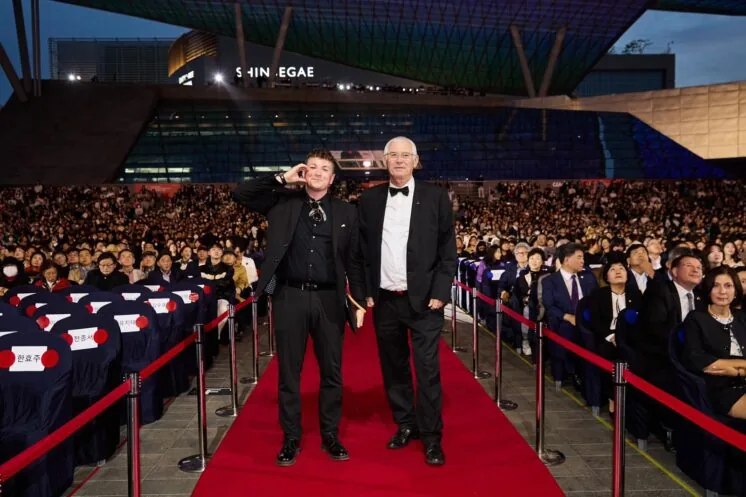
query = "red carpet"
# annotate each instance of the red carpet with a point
(485, 456)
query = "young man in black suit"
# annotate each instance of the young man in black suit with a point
(409, 246)
(312, 250)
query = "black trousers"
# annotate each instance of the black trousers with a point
(298, 314)
(393, 317)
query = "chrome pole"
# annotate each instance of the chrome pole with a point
(133, 436)
(198, 462)
(547, 456)
(231, 410)
(618, 458)
(504, 404)
(255, 345)
(479, 375)
(454, 326)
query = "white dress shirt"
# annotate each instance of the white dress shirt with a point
(641, 279)
(396, 222)
(618, 304)
(568, 283)
(683, 300)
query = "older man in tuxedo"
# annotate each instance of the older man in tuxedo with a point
(409, 246)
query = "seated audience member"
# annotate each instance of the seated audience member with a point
(165, 274)
(106, 276)
(605, 306)
(50, 280)
(715, 340)
(127, 263)
(60, 260)
(664, 308)
(640, 268)
(526, 290)
(148, 263)
(221, 274)
(35, 265)
(187, 265)
(561, 292)
(730, 255)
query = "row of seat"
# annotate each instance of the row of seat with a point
(62, 352)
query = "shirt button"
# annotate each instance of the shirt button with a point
(312, 251)
(314, 237)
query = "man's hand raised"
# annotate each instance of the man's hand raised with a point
(296, 175)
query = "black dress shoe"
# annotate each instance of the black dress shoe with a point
(434, 455)
(332, 446)
(289, 452)
(403, 436)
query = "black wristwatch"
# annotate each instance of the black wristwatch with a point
(281, 177)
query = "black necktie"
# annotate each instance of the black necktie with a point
(393, 191)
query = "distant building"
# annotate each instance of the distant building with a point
(628, 74)
(124, 60)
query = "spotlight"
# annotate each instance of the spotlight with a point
(378, 88)
(348, 87)
(340, 86)
(218, 78)
(71, 77)
(77, 77)
(366, 163)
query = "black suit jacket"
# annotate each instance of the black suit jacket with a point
(431, 246)
(599, 304)
(282, 207)
(660, 315)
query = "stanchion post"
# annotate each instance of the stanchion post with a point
(454, 322)
(620, 397)
(198, 462)
(231, 410)
(479, 375)
(271, 326)
(255, 343)
(133, 436)
(504, 404)
(547, 456)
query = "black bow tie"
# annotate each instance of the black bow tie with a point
(393, 191)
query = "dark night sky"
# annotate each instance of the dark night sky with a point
(709, 49)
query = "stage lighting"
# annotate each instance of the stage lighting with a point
(218, 77)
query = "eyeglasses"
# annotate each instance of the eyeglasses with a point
(396, 155)
(317, 214)
(109, 265)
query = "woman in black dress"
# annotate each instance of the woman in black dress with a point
(525, 290)
(715, 341)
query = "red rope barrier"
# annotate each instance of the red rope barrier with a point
(485, 298)
(43, 446)
(521, 319)
(215, 322)
(177, 349)
(462, 286)
(580, 351)
(714, 427)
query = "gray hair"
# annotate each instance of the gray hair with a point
(400, 138)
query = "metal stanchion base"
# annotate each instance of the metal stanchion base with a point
(248, 380)
(266, 354)
(226, 412)
(193, 464)
(481, 375)
(460, 349)
(507, 405)
(213, 391)
(552, 457)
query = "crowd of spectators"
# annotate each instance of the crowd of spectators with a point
(655, 238)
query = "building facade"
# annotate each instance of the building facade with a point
(123, 60)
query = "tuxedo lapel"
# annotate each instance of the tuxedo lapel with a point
(379, 208)
(415, 215)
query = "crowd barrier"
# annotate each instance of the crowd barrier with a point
(130, 388)
(622, 377)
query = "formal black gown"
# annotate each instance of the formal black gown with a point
(706, 340)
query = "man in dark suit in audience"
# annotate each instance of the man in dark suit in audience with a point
(561, 292)
(663, 309)
(408, 240)
(312, 250)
